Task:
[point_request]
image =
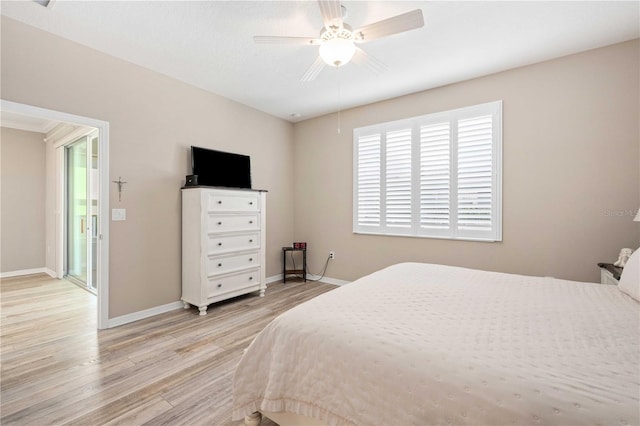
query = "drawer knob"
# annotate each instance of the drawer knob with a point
(219, 223)
(219, 265)
(219, 201)
(219, 285)
(250, 221)
(251, 259)
(250, 203)
(250, 278)
(219, 244)
(250, 241)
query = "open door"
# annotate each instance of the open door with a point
(81, 174)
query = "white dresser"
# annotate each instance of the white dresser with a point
(223, 253)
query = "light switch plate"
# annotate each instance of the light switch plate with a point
(118, 214)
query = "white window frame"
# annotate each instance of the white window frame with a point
(415, 230)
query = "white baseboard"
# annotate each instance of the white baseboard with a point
(274, 278)
(326, 280)
(26, 272)
(136, 316)
(50, 272)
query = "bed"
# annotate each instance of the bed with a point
(422, 344)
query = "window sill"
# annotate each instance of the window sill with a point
(434, 237)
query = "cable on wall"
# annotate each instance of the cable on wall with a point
(324, 269)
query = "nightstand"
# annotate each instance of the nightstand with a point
(301, 272)
(609, 274)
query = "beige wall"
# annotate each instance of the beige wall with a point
(571, 163)
(153, 121)
(571, 172)
(23, 200)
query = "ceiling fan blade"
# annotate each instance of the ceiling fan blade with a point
(397, 24)
(331, 13)
(286, 40)
(374, 64)
(313, 70)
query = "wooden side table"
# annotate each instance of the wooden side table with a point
(286, 271)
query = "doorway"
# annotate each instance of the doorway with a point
(97, 228)
(81, 211)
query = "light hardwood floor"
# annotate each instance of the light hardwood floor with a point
(171, 369)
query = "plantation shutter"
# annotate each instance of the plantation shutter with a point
(475, 171)
(368, 181)
(435, 177)
(438, 175)
(398, 179)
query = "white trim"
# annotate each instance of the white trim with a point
(66, 133)
(29, 127)
(103, 228)
(50, 272)
(326, 280)
(273, 279)
(60, 196)
(137, 316)
(22, 272)
(497, 158)
(103, 191)
(435, 237)
(455, 230)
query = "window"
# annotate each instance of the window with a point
(439, 175)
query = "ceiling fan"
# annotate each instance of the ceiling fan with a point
(338, 41)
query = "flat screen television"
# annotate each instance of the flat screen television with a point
(219, 168)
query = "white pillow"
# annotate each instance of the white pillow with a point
(630, 280)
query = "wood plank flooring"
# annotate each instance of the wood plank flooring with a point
(171, 369)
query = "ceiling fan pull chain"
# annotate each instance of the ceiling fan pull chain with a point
(339, 100)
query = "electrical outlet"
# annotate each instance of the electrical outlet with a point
(332, 255)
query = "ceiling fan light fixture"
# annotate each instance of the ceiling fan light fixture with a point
(337, 39)
(337, 51)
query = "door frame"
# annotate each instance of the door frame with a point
(103, 197)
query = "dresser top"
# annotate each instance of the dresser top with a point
(227, 188)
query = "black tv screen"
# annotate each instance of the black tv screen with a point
(219, 168)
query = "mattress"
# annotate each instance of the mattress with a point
(418, 344)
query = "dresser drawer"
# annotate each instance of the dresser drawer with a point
(218, 244)
(230, 283)
(237, 202)
(217, 265)
(230, 222)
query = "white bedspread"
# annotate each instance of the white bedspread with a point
(420, 344)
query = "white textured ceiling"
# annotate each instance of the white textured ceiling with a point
(209, 43)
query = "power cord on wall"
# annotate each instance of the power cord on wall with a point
(324, 269)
